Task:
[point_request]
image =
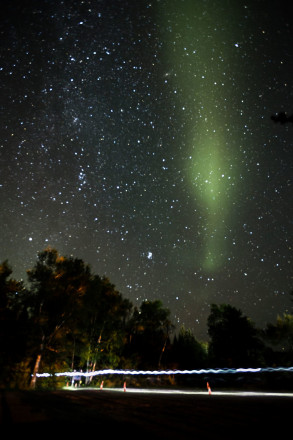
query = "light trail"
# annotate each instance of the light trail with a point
(184, 392)
(166, 372)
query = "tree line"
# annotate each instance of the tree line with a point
(67, 318)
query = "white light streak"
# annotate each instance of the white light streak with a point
(166, 372)
(188, 392)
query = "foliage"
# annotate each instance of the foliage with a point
(279, 337)
(68, 318)
(13, 328)
(148, 334)
(187, 352)
(234, 338)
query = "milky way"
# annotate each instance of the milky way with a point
(138, 137)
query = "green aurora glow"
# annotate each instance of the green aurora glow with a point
(200, 46)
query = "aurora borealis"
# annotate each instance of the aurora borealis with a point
(138, 137)
(206, 47)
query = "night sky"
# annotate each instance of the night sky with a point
(137, 135)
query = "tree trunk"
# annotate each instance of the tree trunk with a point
(161, 354)
(36, 369)
(37, 365)
(73, 355)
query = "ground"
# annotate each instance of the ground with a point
(143, 415)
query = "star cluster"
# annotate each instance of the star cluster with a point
(138, 136)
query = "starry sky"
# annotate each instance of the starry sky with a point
(138, 137)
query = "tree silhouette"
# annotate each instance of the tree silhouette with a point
(13, 325)
(187, 352)
(78, 317)
(280, 336)
(234, 339)
(68, 317)
(102, 320)
(149, 331)
(57, 287)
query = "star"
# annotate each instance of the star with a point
(142, 141)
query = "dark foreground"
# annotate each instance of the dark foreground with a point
(138, 415)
